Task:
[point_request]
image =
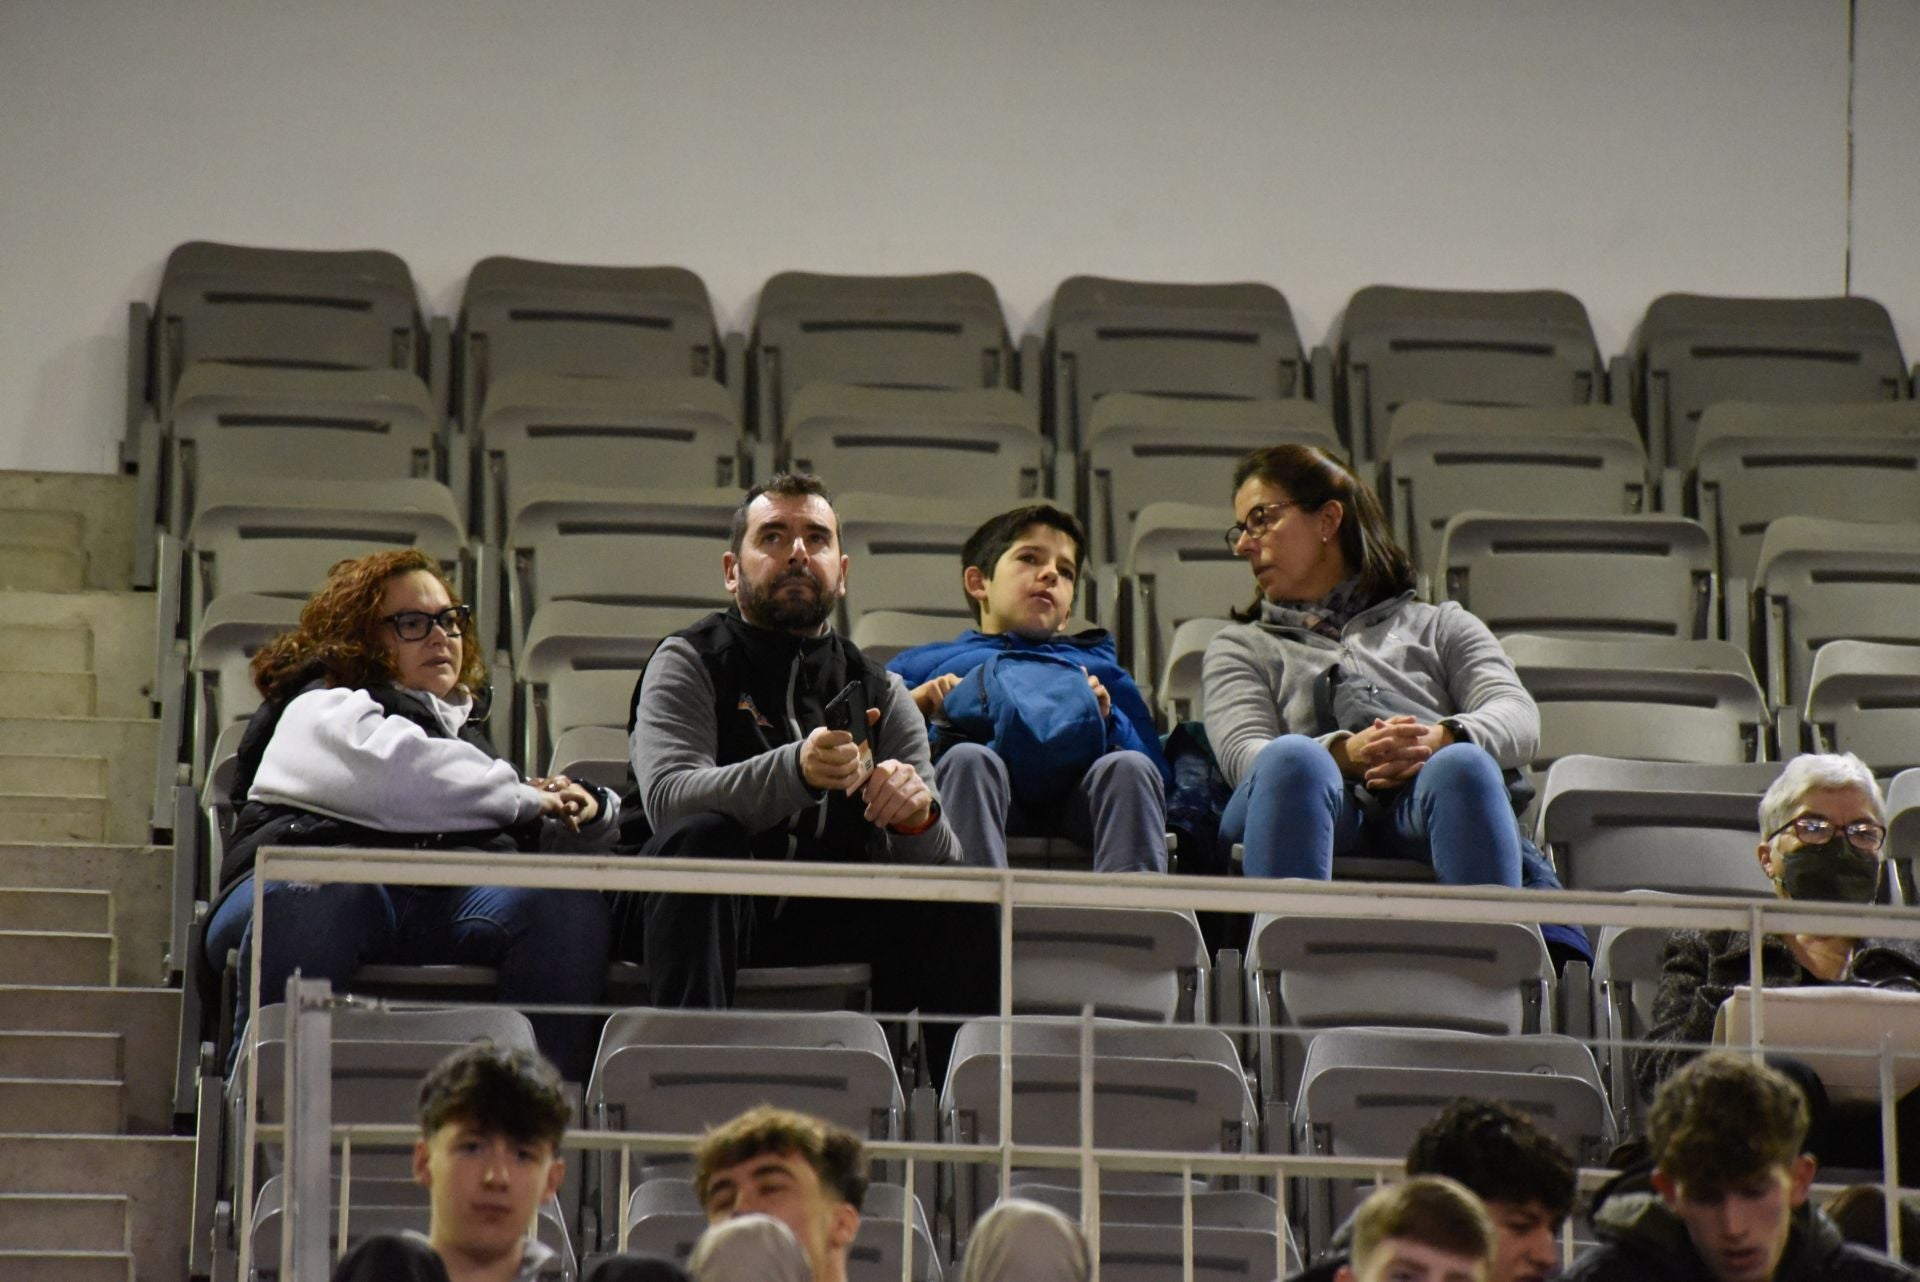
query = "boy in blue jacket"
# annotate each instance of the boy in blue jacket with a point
(1019, 572)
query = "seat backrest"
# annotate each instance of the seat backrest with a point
(1473, 347)
(1566, 460)
(1618, 576)
(1223, 342)
(579, 666)
(1640, 825)
(820, 1030)
(938, 331)
(1129, 963)
(1697, 351)
(232, 630)
(904, 555)
(1179, 568)
(1150, 1253)
(1159, 1104)
(1644, 699)
(1373, 1111)
(1140, 449)
(1753, 464)
(975, 441)
(1864, 698)
(1822, 581)
(1627, 965)
(881, 634)
(1180, 693)
(689, 1088)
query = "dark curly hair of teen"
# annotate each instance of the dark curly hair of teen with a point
(339, 631)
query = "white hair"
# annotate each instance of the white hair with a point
(1817, 772)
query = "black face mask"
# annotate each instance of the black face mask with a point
(1833, 873)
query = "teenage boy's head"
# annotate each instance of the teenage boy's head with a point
(1426, 1229)
(808, 1174)
(1021, 568)
(1522, 1174)
(491, 1122)
(1726, 1135)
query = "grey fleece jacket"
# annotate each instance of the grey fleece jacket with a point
(1436, 660)
(674, 741)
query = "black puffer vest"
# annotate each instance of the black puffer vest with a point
(771, 688)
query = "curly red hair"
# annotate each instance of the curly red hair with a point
(339, 630)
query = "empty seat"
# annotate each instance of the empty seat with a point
(656, 554)
(1568, 460)
(981, 442)
(1142, 449)
(940, 331)
(1464, 347)
(1179, 568)
(1644, 699)
(1307, 973)
(1627, 965)
(1179, 693)
(905, 555)
(1619, 576)
(232, 630)
(1127, 963)
(1754, 464)
(577, 671)
(547, 435)
(1624, 825)
(1226, 342)
(1864, 698)
(1903, 826)
(1697, 351)
(1821, 581)
(881, 634)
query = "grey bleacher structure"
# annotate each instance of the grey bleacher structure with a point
(1233, 1229)
(905, 556)
(1138, 963)
(1821, 580)
(576, 674)
(664, 1217)
(982, 442)
(1178, 693)
(1864, 698)
(881, 634)
(1178, 568)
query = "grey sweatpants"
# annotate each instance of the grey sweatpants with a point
(1119, 808)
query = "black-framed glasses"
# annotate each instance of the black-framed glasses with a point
(1864, 835)
(1259, 518)
(418, 625)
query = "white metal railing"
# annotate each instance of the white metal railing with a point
(1011, 889)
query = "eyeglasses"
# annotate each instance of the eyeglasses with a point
(1864, 835)
(1260, 517)
(418, 625)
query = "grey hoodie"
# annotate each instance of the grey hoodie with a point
(1436, 661)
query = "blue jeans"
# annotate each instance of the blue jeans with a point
(1294, 812)
(549, 946)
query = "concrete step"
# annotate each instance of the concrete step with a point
(46, 647)
(66, 1266)
(154, 1173)
(63, 1056)
(43, 819)
(119, 642)
(139, 879)
(126, 745)
(30, 567)
(146, 1019)
(67, 1221)
(98, 511)
(83, 1107)
(49, 694)
(56, 957)
(51, 775)
(84, 910)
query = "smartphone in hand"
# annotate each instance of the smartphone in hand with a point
(848, 712)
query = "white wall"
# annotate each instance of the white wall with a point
(1617, 150)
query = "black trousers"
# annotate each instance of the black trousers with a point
(1847, 1135)
(939, 959)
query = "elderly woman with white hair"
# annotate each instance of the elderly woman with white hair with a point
(1823, 834)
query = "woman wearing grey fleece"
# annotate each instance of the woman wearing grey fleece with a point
(1346, 714)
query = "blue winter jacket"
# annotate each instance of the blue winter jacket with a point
(1130, 725)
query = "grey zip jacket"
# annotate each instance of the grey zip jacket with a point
(1436, 661)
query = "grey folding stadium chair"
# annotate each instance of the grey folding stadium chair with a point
(1753, 464)
(1697, 351)
(943, 331)
(1592, 576)
(546, 433)
(1178, 693)
(1139, 449)
(1193, 342)
(1864, 698)
(881, 634)
(1645, 699)
(1903, 827)
(1821, 581)
(1179, 567)
(1234, 1235)
(232, 630)
(982, 442)
(1470, 347)
(905, 554)
(1627, 964)
(369, 1213)
(1313, 973)
(1614, 824)
(577, 671)
(665, 1217)
(1127, 963)
(1566, 460)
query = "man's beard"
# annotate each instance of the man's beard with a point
(769, 609)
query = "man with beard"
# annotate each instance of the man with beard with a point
(1823, 832)
(733, 759)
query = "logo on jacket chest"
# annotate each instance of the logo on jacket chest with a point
(747, 705)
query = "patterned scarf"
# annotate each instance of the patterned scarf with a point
(1327, 616)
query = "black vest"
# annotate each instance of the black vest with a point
(771, 688)
(260, 824)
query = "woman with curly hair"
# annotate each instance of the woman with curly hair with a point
(371, 735)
